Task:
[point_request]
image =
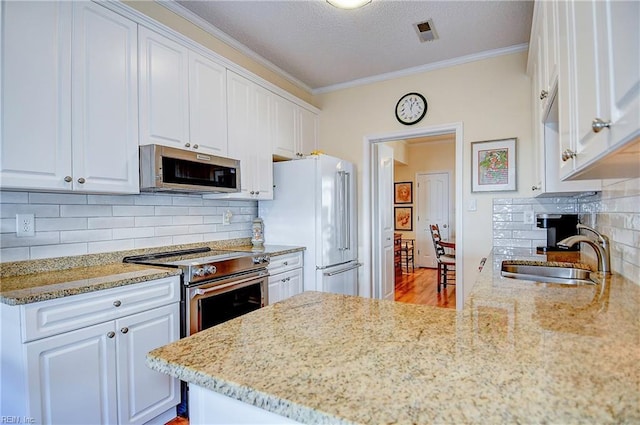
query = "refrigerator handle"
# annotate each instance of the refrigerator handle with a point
(347, 217)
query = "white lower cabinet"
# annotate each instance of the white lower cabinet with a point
(285, 276)
(94, 373)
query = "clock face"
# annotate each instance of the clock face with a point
(411, 108)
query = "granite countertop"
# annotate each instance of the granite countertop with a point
(25, 282)
(30, 288)
(519, 352)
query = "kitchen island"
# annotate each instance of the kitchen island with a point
(519, 352)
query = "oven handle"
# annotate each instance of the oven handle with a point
(200, 291)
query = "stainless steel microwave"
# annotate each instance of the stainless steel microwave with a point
(166, 169)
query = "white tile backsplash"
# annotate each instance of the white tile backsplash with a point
(614, 212)
(76, 224)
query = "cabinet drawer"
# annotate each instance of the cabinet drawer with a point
(282, 263)
(64, 314)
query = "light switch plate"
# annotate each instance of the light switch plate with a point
(473, 205)
(528, 217)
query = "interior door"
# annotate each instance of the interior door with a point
(383, 238)
(432, 200)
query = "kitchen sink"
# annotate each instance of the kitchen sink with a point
(548, 272)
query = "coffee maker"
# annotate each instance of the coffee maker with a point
(559, 226)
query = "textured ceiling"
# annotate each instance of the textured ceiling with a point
(322, 46)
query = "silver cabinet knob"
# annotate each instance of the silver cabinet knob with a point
(536, 187)
(445, 226)
(257, 192)
(567, 154)
(285, 263)
(544, 94)
(187, 145)
(81, 180)
(597, 125)
(252, 192)
(124, 330)
(117, 303)
(195, 146)
(111, 334)
(68, 179)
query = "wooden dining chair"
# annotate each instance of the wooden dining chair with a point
(445, 257)
(407, 254)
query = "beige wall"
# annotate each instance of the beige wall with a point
(428, 158)
(163, 15)
(491, 98)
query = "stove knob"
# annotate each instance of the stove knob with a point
(199, 272)
(209, 270)
(257, 260)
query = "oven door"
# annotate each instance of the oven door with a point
(211, 303)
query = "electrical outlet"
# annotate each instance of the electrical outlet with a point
(25, 225)
(226, 218)
(528, 217)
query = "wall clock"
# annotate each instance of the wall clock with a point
(411, 108)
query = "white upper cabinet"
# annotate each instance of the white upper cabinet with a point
(296, 129)
(550, 96)
(207, 105)
(308, 123)
(182, 97)
(604, 79)
(52, 51)
(250, 131)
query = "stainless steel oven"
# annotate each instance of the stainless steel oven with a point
(214, 302)
(216, 286)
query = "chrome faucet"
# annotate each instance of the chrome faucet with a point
(601, 246)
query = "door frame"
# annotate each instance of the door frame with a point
(448, 173)
(368, 185)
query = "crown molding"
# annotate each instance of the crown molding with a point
(423, 68)
(185, 13)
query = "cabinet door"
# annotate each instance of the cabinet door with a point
(144, 393)
(72, 377)
(263, 176)
(308, 132)
(294, 283)
(276, 284)
(285, 127)
(240, 108)
(624, 69)
(207, 105)
(35, 151)
(164, 90)
(105, 101)
(589, 76)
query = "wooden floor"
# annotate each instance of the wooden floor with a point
(419, 287)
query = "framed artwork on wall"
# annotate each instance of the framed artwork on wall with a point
(403, 218)
(403, 193)
(493, 165)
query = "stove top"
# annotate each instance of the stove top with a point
(200, 264)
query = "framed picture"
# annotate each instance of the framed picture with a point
(403, 193)
(493, 165)
(403, 218)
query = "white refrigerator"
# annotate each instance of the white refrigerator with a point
(314, 205)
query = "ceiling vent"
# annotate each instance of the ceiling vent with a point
(426, 31)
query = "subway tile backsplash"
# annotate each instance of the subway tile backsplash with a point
(614, 212)
(77, 224)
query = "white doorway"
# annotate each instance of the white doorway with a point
(383, 217)
(372, 234)
(433, 206)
